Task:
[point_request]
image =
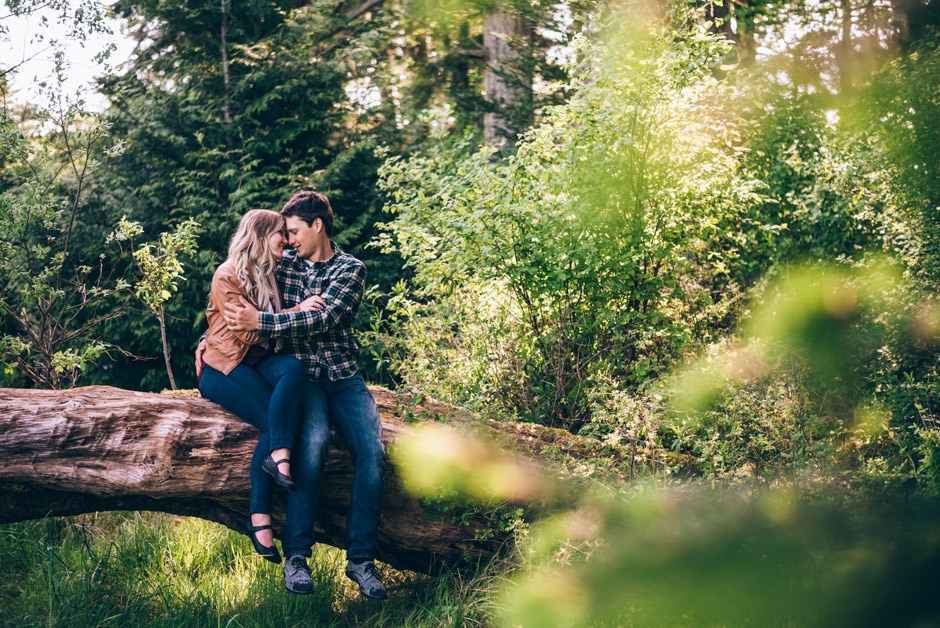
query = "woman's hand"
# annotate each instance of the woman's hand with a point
(200, 349)
(313, 303)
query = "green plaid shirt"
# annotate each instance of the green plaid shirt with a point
(324, 341)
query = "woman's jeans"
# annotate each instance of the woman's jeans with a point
(267, 395)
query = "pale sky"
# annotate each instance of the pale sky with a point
(27, 42)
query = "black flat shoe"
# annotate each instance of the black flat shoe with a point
(268, 553)
(270, 467)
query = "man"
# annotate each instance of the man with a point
(324, 340)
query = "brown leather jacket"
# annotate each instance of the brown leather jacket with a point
(225, 348)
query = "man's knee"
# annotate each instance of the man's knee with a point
(307, 463)
(370, 458)
(314, 436)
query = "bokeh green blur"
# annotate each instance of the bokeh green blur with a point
(732, 282)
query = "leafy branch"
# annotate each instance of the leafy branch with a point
(160, 270)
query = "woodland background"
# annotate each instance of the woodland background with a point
(704, 236)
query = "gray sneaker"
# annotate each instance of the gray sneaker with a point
(367, 577)
(297, 575)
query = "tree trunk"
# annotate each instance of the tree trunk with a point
(67, 452)
(741, 31)
(508, 88)
(161, 317)
(845, 56)
(226, 79)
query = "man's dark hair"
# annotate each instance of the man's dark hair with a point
(308, 206)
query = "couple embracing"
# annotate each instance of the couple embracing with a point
(281, 354)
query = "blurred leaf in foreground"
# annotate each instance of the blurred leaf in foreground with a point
(825, 320)
(713, 558)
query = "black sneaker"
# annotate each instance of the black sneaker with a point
(367, 577)
(297, 575)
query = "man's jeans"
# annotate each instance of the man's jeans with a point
(268, 396)
(351, 407)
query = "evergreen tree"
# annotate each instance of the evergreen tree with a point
(225, 108)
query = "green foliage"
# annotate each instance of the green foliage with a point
(767, 428)
(207, 148)
(831, 398)
(58, 285)
(823, 199)
(820, 500)
(826, 321)
(160, 269)
(706, 558)
(449, 58)
(901, 112)
(590, 250)
(820, 378)
(159, 265)
(65, 281)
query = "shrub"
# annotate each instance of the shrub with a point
(591, 250)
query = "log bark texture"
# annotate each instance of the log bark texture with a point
(99, 448)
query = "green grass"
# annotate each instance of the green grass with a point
(151, 569)
(689, 555)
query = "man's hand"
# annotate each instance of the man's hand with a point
(313, 303)
(241, 317)
(200, 349)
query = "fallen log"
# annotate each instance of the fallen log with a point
(98, 448)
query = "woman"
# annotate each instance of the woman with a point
(241, 371)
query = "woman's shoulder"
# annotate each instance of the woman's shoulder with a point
(226, 277)
(225, 269)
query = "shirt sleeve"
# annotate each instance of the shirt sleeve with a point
(342, 297)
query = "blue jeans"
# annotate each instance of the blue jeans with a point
(354, 413)
(268, 396)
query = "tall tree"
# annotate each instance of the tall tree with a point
(915, 19)
(826, 47)
(229, 106)
(225, 107)
(488, 67)
(508, 87)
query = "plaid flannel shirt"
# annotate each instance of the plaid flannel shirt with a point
(323, 340)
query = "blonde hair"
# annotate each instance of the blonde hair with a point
(254, 262)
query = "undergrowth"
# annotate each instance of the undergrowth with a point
(152, 569)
